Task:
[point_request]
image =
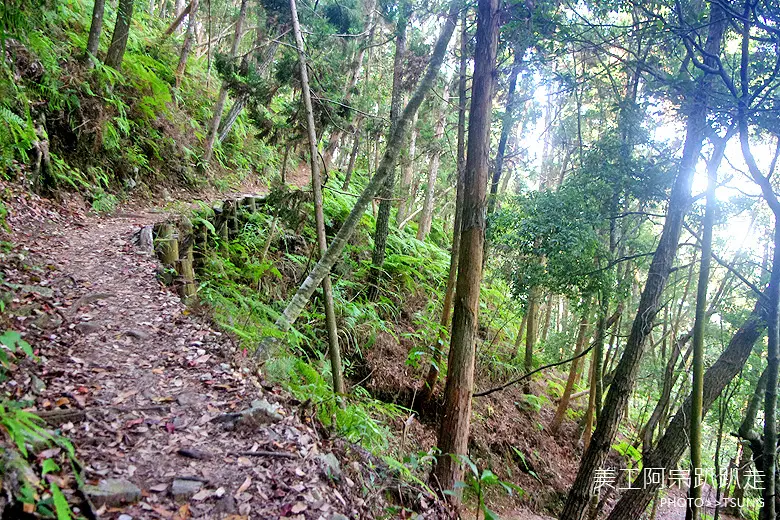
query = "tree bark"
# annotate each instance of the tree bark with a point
(625, 374)
(383, 217)
(426, 216)
(187, 45)
(672, 444)
(444, 324)
(700, 319)
(407, 195)
(352, 156)
(116, 50)
(531, 324)
(316, 182)
(454, 427)
(95, 29)
(547, 316)
(507, 124)
(563, 404)
(332, 255)
(176, 23)
(219, 106)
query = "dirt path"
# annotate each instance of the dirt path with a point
(146, 390)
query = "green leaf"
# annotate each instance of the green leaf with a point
(208, 225)
(12, 340)
(60, 503)
(488, 477)
(49, 466)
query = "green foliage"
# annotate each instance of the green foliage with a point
(11, 343)
(358, 418)
(560, 227)
(478, 482)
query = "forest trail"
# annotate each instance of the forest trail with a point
(145, 390)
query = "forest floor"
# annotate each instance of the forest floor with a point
(150, 393)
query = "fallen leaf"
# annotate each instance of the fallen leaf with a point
(162, 511)
(159, 488)
(183, 513)
(134, 422)
(298, 507)
(243, 487)
(123, 396)
(203, 494)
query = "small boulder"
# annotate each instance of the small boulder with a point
(113, 492)
(182, 489)
(330, 465)
(262, 412)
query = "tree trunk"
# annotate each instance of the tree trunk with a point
(211, 136)
(407, 195)
(507, 124)
(625, 374)
(332, 255)
(531, 323)
(454, 427)
(93, 42)
(596, 394)
(116, 50)
(352, 156)
(426, 216)
(671, 446)
(769, 455)
(670, 374)
(563, 404)
(698, 343)
(261, 68)
(547, 316)
(444, 324)
(747, 433)
(316, 182)
(383, 217)
(187, 45)
(177, 22)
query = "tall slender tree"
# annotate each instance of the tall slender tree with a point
(95, 29)
(697, 392)
(449, 292)
(116, 50)
(456, 416)
(219, 106)
(382, 229)
(189, 39)
(625, 374)
(426, 215)
(316, 183)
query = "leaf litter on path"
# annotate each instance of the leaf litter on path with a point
(145, 383)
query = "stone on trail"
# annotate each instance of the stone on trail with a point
(330, 465)
(262, 412)
(183, 489)
(113, 492)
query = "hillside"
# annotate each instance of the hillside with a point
(359, 259)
